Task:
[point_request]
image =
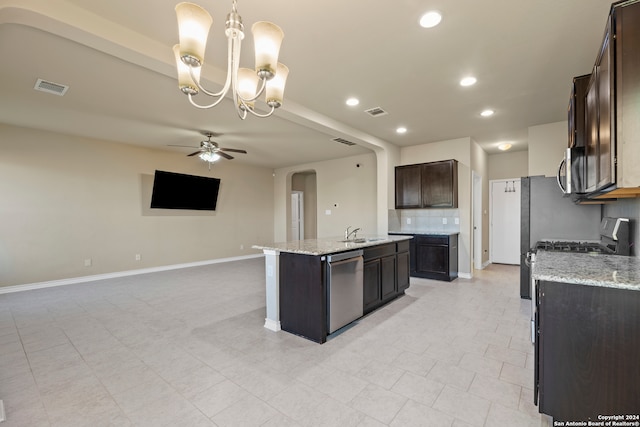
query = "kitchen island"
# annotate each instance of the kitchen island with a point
(298, 279)
(587, 335)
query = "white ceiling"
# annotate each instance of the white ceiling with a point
(116, 57)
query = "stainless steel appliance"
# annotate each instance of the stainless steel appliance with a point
(545, 215)
(344, 289)
(571, 172)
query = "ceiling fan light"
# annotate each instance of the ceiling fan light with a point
(185, 82)
(248, 82)
(275, 86)
(209, 156)
(267, 38)
(193, 28)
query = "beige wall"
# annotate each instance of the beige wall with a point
(459, 149)
(66, 199)
(508, 165)
(339, 182)
(547, 145)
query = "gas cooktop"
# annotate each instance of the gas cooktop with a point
(572, 246)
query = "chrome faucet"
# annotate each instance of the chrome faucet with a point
(347, 233)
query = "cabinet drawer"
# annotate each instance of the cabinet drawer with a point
(403, 246)
(379, 251)
(432, 240)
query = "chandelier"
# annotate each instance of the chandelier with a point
(268, 78)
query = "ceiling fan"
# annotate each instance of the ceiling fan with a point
(210, 151)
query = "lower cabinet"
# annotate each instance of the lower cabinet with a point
(303, 286)
(386, 274)
(587, 351)
(435, 257)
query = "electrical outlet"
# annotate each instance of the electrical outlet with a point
(408, 221)
(87, 262)
(444, 221)
(138, 257)
(327, 212)
(241, 247)
(457, 220)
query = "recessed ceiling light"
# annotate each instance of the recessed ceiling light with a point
(353, 102)
(468, 81)
(504, 146)
(430, 19)
(487, 113)
(401, 129)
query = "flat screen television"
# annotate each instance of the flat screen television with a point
(180, 191)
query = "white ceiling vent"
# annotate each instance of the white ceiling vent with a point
(50, 87)
(376, 111)
(344, 141)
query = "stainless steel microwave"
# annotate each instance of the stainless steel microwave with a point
(571, 172)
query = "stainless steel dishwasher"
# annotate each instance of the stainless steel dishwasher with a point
(344, 289)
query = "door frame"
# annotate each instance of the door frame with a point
(476, 222)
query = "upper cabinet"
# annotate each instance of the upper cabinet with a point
(576, 116)
(427, 185)
(612, 128)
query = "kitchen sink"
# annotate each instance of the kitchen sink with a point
(362, 240)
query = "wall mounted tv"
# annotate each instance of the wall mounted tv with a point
(179, 191)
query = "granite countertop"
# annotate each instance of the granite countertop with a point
(329, 245)
(613, 271)
(426, 232)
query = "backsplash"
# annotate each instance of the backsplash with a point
(417, 220)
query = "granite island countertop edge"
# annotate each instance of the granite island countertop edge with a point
(329, 245)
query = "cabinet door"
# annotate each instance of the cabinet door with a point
(591, 124)
(605, 132)
(371, 290)
(388, 276)
(432, 258)
(440, 184)
(402, 264)
(408, 187)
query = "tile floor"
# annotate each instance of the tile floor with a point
(188, 348)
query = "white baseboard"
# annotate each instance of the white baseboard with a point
(272, 325)
(465, 275)
(82, 279)
(486, 264)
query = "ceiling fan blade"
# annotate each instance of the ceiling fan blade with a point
(193, 154)
(233, 150)
(225, 155)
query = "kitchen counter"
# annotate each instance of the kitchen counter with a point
(425, 232)
(612, 271)
(329, 245)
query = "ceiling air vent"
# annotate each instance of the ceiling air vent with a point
(375, 112)
(50, 87)
(344, 141)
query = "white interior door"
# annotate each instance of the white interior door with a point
(505, 221)
(297, 215)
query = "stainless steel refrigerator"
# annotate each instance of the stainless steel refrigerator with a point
(546, 214)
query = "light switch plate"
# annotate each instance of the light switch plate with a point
(444, 221)
(457, 220)
(408, 221)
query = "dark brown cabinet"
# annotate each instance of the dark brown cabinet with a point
(408, 187)
(612, 108)
(386, 274)
(576, 112)
(435, 256)
(599, 138)
(587, 351)
(427, 185)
